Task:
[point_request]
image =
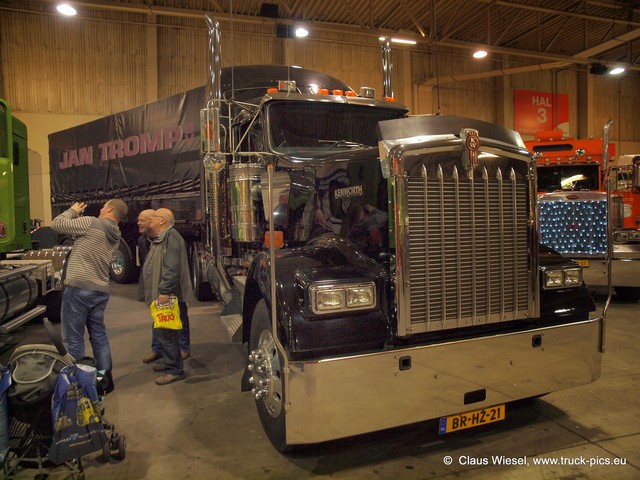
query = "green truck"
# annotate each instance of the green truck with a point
(30, 279)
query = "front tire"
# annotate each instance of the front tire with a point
(265, 364)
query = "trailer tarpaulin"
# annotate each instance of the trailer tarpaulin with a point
(147, 150)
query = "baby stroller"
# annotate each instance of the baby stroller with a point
(49, 386)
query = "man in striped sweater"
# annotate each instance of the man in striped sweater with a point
(86, 291)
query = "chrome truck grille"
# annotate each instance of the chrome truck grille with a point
(468, 249)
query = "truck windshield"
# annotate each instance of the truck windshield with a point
(323, 127)
(567, 177)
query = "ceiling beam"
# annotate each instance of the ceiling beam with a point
(582, 58)
(403, 4)
(502, 72)
(560, 13)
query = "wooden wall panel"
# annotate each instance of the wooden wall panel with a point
(615, 98)
(354, 59)
(473, 98)
(52, 64)
(183, 51)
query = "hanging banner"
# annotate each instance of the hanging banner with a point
(534, 111)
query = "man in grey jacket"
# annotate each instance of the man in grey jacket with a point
(166, 272)
(86, 291)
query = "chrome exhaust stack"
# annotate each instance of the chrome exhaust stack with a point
(214, 162)
(386, 68)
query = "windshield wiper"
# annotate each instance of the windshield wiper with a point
(343, 143)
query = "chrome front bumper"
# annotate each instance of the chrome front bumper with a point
(347, 396)
(625, 272)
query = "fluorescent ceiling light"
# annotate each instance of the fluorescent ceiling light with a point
(616, 71)
(66, 9)
(403, 41)
(398, 40)
(480, 54)
(301, 32)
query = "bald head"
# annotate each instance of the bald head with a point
(144, 218)
(167, 215)
(161, 220)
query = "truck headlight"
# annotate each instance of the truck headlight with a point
(337, 298)
(561, 277)
(627, 235)
(553, 278)
(573, 277)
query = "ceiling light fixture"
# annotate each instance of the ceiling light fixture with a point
(403, 41)
(66, 9)
(616, 71)
(480, 54)
(301, 32)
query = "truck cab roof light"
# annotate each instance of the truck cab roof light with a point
(389, 99)
(287, 86)
(350, 93)
(323, 91)
(272, 90)
(367, 92)
(338, 92)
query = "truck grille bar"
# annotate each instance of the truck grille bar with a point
(467, 250)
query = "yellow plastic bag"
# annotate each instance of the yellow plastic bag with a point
(166, 315)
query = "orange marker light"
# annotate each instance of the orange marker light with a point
(278, 239)
(338, 92)
(323, 91)
(272, 90)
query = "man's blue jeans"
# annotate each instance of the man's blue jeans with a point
(184, 336)
(170, 350)
(80, 309)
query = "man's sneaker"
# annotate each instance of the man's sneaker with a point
(151, 357)
(159, 367)
(169, 378)
(185, 354)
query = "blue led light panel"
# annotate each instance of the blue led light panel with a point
(578, 227)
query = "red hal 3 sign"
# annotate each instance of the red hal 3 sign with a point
(534, 111)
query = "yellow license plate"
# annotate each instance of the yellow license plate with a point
(582, 263)
(476, 418)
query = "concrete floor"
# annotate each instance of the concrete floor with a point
(205, 428)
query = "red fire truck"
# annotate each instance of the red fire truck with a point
(572, 185)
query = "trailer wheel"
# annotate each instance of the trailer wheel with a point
(628, 294)
(202, 289)
(265, 365)
(123, 268)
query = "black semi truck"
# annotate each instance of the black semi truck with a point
(381, 269)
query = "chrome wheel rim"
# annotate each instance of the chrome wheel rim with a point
(264, 363)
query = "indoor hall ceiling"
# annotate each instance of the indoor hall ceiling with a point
(567, 31)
